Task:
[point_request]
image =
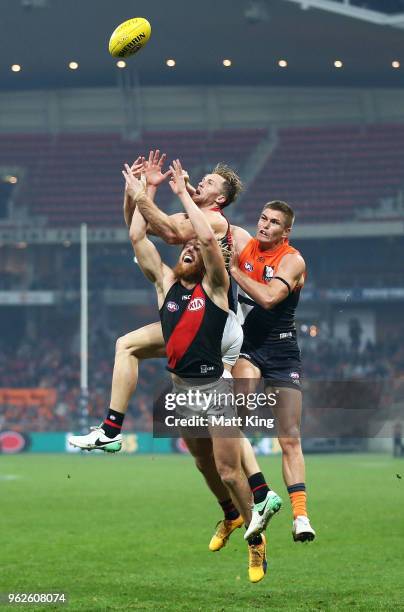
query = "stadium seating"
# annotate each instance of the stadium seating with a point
(73, 178)
(331, 174)
(327, 174)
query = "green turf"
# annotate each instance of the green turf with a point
(132, 533)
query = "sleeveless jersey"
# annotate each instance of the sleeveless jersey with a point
(192, 328)
(262, 266)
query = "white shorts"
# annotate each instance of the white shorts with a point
(213, 399)
(232, 340)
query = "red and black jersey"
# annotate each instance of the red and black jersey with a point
(192, 328)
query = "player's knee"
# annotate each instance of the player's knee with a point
(228, 474)
(291, 444)
(124, 344)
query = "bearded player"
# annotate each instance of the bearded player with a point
(193, 305)
(215, 191)
(271, 273)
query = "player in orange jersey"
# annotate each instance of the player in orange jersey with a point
(271, 274)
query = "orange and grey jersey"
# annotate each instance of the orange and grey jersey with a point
(262, 266)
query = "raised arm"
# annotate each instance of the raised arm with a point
(291, 270)
(128, 204)
(212, 256)
(150, 172)
(173, 229)
(177, 228)
(147, 256)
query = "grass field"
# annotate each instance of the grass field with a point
(131, 533)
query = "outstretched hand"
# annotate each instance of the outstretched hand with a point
(178, 181)
(134, 186)
(137, 167)
(153, 168)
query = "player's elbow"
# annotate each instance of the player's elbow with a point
(136, 236)
(168, 234)
(269, 302)
(208, 241)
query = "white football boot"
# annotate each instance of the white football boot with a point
(262, 513)
(302, 531)
(97, 439)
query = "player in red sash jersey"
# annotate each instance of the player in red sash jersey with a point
(193, 304)
(215, 191)
(271, 273)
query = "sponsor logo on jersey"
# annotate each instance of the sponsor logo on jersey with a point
(294, 375)
(186, 297)
(172, 306)
(205, 369)
(248, 266)
(196, 304)
(268, 273)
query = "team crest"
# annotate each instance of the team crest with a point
(172, 306)
(249, 267)
(196, 304)
(268, 273)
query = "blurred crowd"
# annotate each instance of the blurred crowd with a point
(50, 364)
(54, 363)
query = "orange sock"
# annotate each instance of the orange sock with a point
(297, 495)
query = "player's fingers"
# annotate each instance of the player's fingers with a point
(166, 174)
(137, 161)
(162, 160)
(156, 156)
(151, 154)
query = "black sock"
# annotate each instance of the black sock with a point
(258, 486)
(257, 539)
(299, 486)
(113, 423)
(229, 509)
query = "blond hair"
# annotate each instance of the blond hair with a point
(232, 183)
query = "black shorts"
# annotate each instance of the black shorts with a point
(278, 359)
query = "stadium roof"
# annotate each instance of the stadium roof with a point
(43, 36)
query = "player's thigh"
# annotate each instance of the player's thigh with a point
(246, 376)
(287, 410)
(199, 448)
(146, 342)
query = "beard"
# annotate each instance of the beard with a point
(190, 273)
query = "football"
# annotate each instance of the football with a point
(129, 37)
